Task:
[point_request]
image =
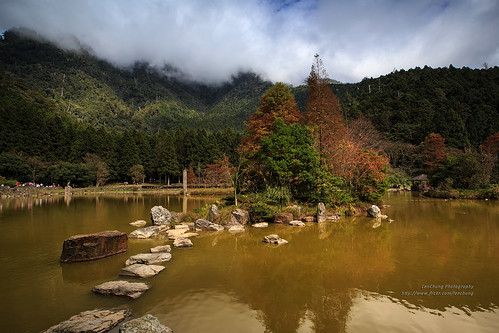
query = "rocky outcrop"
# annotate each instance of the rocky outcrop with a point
(333, 217)
(238, 217)
(260, 225)
(213, 213)
(374, 211)
(149, 258)
(93, 246)
(131, 290)
(182, 242)
(141, 270)
(138, 223)
(321, 212)
(274, 240)
(161, 248)
(160, 216)
(147, 232)
(207, 225)
(284, 218)
(297, 223)
(93, 321)
(147, 323)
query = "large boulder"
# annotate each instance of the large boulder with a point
(238, 216)
(321, 212)
(374, 211)
(93, 246)
(274, 240)
(93, 321)
(160, 216)
(147, 232)
(147, 323)
(213, 213)
(207, 225)
(284, 218)
(131, 290)
(141, 270)
(149, 258)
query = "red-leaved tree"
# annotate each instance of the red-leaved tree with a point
(434, 151)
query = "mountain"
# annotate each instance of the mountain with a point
(407, 105)
(138, 97)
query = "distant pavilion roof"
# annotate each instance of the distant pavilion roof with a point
(420, 178)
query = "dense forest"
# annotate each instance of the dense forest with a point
(67, 114)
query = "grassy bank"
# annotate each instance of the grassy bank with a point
(479, 194)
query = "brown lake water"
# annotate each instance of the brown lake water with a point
(435, 268)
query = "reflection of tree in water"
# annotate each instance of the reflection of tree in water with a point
(312, 275)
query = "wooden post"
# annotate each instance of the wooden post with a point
(184, 180)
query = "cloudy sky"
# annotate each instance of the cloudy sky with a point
(211, 39)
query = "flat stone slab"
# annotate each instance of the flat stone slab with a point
(260, 225)
(93, 246)
(138, 223)
(207, 225)
(147, 323)
(131, 290)
(141, 270)
(182, 242)
(297, 223)
(149, 258)
(181, 226)
(161, 248)
(237, 228)
(308, 219)
(93, 321)
(274, 240)
(147, 232)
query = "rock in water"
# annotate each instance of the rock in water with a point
(274, 239)
(93, 246)
(236, 228)
(308, 219)
(239, 216)
(160, 216)
(131, 290)
(148, 258)
(138, 223)
(260, 225)
(161, 248)
(213, 213)
(374, 211)
(283, 218)
(147, 323)
(94, 321)
(207, 225)
(141, 270)
(321, 212)
(297, 223)
(182, 242)
(147, 232)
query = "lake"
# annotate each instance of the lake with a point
(435, 268)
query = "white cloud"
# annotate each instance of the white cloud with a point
(210, 40)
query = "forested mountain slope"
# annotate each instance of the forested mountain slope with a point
(139, 97)
(460, 104)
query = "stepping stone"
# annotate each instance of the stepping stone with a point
(147, 232)
(161, 248)
(274, 240)
(147, 323)
(207, 225)
(149, 258)
(141, 270)
(182, 242)
(236, 228)
(131, 290)
(96, 321)
(260, 225)
(297, 223)
(138, 223)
